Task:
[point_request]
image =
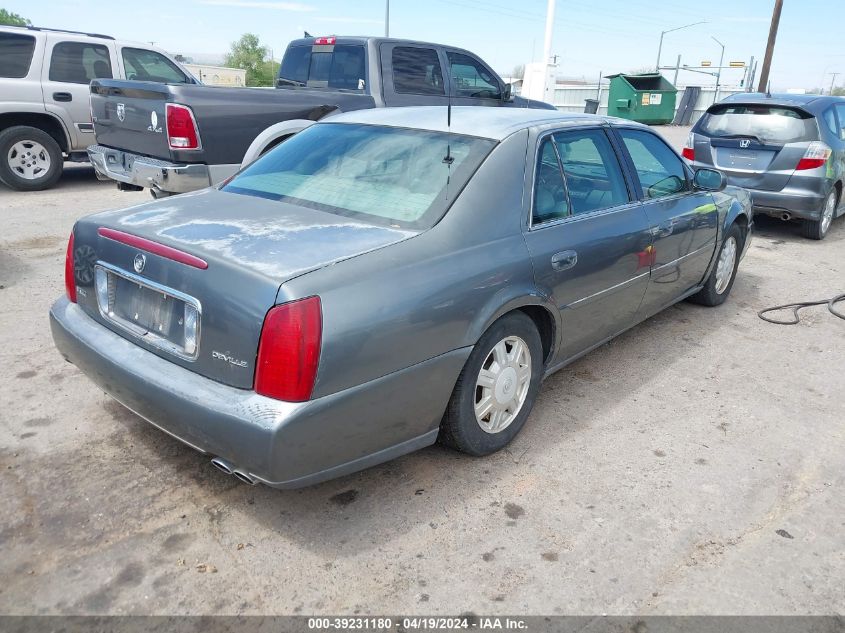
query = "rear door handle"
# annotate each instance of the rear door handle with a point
(564, 260)
(62, 96)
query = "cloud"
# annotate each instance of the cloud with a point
(347, 20)
(259, 4)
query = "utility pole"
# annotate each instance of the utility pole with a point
(387, 18)
(547, 49)
(662, 33)
(677, 68)
(719, 71)
(770, 47)
(832, 80)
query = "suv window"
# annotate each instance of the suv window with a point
(15, 54)
(417, 71)
(471, 78)
(341, 68)
(146, 65)
(550, 199)
(593, 175)
(79, 62)
(660, 170)
(768, 124)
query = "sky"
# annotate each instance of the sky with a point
(590, 36)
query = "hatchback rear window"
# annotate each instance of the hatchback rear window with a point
(339, 67)
(768, 124)
(384, 175)
(15, 54)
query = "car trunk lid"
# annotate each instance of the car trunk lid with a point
(219, 258)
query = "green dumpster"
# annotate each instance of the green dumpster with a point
(646, 98)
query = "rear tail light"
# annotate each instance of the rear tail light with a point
(689, 149)
(815, 156)
(70, 282)
(289, 350)
(182, 130)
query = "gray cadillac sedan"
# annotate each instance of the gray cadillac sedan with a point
(386, 279)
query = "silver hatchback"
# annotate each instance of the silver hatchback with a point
(788, 151)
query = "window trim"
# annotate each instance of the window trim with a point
(638, 192)
(575, 217)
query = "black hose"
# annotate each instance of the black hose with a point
(803, 304)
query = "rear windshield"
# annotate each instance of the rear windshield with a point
(15, 54)
(768, 124)
(383, 175)
(339, 67)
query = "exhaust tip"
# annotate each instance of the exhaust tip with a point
(222, 465)
(786, 216)
(244, 477)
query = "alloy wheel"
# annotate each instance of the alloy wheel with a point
(502, 384)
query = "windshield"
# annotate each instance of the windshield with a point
(339, 67)
(383, 175)
(768, 124)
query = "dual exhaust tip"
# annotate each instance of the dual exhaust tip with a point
(230, 469)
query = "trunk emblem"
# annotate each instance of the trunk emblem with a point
(744, 143)
(139, 262)
(121, 112)
(153, 127)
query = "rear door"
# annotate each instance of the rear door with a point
(683, 220)
(412, 75)
(756, 145)
(588, 238)
(70, 63)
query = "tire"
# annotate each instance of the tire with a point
(461, 429)
(718, 287)
(817, 229)
(30, 159)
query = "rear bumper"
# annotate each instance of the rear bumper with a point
(143, 171)
(281, 444)
(797, 203)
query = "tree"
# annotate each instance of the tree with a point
(13, 19)
(250, 55)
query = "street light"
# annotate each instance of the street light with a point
(662, 33)
(719, 72)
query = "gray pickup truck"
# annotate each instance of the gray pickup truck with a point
(175, 138)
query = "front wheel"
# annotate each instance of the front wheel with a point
(30, 159)
(721, 279)
(817, 229)
(496, 389)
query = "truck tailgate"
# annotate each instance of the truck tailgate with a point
(130, 115)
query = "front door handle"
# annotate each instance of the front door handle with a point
(62, 96)
(564, 260)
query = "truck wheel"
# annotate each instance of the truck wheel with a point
(30, 159)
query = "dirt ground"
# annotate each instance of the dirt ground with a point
(693, 465)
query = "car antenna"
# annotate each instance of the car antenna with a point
(448, 158)
(769, 90)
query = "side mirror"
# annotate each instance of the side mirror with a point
(709, 180)
(507, 92)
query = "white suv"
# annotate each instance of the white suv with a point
(44, 96)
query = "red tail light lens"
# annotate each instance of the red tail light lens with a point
(70, 282)
(815, 156)
(182, 130)
(325, 41)
(289, 350)
(688, 153)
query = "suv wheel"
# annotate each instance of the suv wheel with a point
(817, 229)
(30, 159)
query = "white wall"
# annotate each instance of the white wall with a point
(571, 98)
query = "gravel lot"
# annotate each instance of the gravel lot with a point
(694, 465)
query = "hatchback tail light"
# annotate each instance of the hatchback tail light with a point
(689, 149)
(182, 130)
(289, 350)
(70, 282)
(815, 156)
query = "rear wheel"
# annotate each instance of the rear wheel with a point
(30, 159)
(721, 279)
(496, 389)
(817, 229)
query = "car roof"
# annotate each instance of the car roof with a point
(487, 122)
(360, 39)
(793, 100)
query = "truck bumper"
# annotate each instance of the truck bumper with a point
(281, 444)
(143, 171)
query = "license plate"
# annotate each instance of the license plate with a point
(148, 309)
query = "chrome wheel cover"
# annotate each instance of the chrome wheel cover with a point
(502, 385)
(29, 160)
(827, 213)
(725, 265)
